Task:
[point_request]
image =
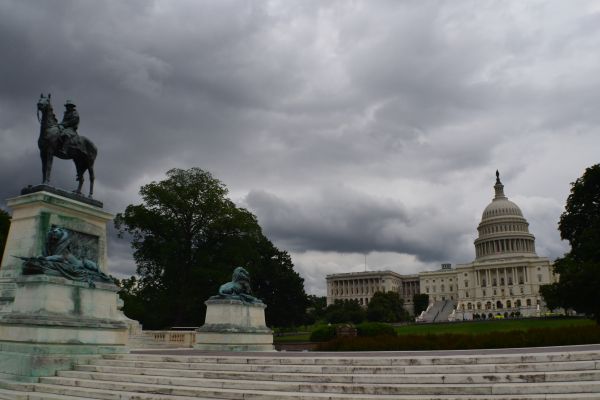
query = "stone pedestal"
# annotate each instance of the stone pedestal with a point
(47, 323)
(55, 322)
(32, 215)
(232, 325)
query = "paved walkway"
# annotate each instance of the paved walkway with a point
(523, 350)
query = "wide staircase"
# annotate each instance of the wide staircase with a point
(318, 376)
(439, 311)
(445, 312)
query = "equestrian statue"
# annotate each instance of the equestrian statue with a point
(63, 141)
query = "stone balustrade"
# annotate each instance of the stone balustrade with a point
(150, 339)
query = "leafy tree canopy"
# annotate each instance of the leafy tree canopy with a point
(386, 307)
(579, 269)
(187, 237)
(4, 225)
(580, 222)
(420, 303)
(316, 308)
(345, 311)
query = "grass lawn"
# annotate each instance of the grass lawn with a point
(302, 337)
(491, 326)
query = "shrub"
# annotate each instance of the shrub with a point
(371, 329)
(570, 335)
(322, 333)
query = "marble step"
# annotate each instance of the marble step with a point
(14, 385)
(354, 369)
(147, 343)
(21, 395)
(7, 394)
(53, 392)
(368, 361)
(560, 376)
(240, 389)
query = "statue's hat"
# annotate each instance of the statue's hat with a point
(69, 103)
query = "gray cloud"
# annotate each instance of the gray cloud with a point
(338, 219)
(349, 128)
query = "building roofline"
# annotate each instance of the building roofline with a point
(358, 273)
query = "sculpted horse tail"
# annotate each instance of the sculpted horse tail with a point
(53, 143)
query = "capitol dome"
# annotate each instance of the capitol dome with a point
(503, 231)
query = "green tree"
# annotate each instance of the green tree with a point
(187, 237)
(345, 311)
(132, 302)
(386, 307)
(4, 225)
(316, 308)
(420, 303)
(579, 269)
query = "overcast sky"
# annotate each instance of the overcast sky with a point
(350, 128)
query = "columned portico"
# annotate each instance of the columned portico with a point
(361, 286)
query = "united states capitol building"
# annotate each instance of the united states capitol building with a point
(504, 278)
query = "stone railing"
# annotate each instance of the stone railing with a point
(171, 338)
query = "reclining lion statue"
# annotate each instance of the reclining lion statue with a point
(238, 288)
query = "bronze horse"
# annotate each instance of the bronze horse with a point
(77, 148)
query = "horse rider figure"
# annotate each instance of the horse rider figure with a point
(68, 126)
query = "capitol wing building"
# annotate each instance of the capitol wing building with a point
(504, 278)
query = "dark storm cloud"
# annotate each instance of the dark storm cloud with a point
(346, 221)
(348, 127)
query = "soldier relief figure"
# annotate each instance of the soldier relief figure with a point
(58, 260)
(63, 141)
